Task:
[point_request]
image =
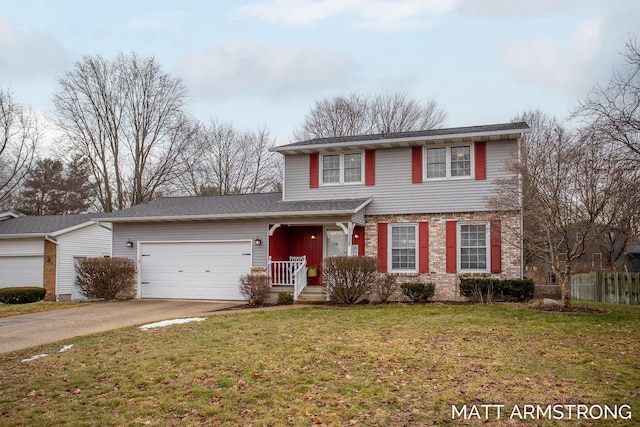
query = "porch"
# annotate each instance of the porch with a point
(296, 251)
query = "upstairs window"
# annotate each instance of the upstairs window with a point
(342, 168)
(331, 169)
(448, 162)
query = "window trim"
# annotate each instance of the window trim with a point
(425, 165)
(390, 228)
(341, 170)
(487, 232)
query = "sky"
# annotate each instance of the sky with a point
(263, 63)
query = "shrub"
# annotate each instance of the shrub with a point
(385, 286)
(106, 278)
(22, 295)
(255, 288)
(347, 279)
(485, 290)
(284, 298)
(418, 291)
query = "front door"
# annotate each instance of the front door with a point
(335, 242)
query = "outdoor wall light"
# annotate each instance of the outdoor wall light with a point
(129, 244)
(313, 236)
(258, 242)
(356, 236)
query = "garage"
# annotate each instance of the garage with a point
(21, 271)
(193, 270)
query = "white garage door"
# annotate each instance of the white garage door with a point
(21, 271)
(193, 270)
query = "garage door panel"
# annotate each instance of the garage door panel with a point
(194, 270)
(21, 271)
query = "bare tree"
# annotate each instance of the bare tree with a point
(127, 118)
(356, 114)
(19, 138)
(233, 161)
(399, 113)
(612, 112)
(564, 185)
(611, 118)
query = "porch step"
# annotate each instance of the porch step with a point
(312, 295)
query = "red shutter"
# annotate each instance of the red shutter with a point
(423, 247)
(382, 247)
(496, 246)
(416, 164)
(451, 246)
(370, 167)
(314, 172)
(480, 156)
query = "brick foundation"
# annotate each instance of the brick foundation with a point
(447, 288)
(49, 273)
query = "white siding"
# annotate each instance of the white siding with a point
(89, 241)
(22, 247)
(394, 192)
(190, 231)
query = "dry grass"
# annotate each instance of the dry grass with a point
(366, 366)
(35, 307)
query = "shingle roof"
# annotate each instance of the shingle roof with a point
(41, 225)
(484, 131)
(231, 206)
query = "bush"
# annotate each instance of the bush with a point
(418, 291)
(347, 279)
(255, 288)
(284, 298)
(385, 286)
(22, 295)
(485, 290)
(106, 278)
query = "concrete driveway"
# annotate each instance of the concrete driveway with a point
(28, 330)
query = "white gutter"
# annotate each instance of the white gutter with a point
(233, 216)
(400, 141)
(23, 236)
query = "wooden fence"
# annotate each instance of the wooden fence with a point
(612, 287)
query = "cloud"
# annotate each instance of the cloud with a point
(253, 68)
(25, 55)
(380, 14)
(548, 63)
(536, 8)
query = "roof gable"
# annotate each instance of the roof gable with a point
(34, 226)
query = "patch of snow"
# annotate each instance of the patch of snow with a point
(171, 322)
(65, 348)
(37, 356)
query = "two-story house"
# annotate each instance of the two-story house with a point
(417, 201)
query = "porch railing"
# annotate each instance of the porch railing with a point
(291, 273)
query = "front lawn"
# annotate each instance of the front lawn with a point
(35, 307)
(365, 366)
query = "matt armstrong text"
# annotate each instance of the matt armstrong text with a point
(541, 412)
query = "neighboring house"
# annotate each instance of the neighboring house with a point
(42, 250)
(417, 201)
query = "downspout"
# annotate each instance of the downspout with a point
(521, 203)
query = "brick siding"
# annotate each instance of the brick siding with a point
(49, 273)
(447, 288)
